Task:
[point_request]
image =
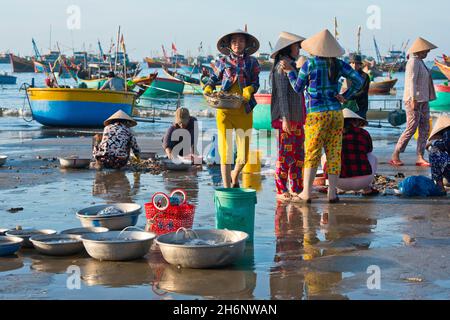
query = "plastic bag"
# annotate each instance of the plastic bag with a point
(213, 157)
(419, 186)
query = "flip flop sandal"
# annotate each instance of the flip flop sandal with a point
(396, 163)
(423, 164)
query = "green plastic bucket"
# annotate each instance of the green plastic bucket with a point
(235, 209)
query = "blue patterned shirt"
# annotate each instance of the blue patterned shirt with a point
(320, 90)
(241, 69)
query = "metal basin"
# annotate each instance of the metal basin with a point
(118, 245)
(89, 216)
(170, 165)
(82, 231)
(9, 245)
(58, 244)
(148, 155)
(26, 234)
(3, 160)
(74, 163)
(177, 249)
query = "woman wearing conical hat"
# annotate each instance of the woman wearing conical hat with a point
(439, 152)
(112, 150)
(287, 110)
(319, 77)
(419, 90)
(238, 72)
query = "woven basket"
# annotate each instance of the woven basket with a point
(225, 102)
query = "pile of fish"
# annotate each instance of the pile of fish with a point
(110, 211)
(147, 166)
(387, 185)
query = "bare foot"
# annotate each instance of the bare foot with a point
(284, 196)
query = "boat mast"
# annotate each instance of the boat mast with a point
(359, 40)
(117, 50)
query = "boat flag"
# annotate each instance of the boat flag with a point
(174, 49)
(336, 33)
(200, 48)
(122, 44)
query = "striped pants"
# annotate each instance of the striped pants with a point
(416, 118)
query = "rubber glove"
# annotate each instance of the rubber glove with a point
(208, 90)
(136, 158)
(247, 93)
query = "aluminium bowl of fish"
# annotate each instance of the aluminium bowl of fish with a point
(112, 216)
(202, 249)
(177, 164)
(26, 234)
(82, 231)
(58, 244)
(9, 245)
(74, 162)
(118, 245)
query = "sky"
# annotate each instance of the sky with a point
(147, 25)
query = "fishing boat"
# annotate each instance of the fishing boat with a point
(7, 79)
(146, 80)
(442, 103)
(163, 87)
(21, 65)
(382, 87)
(436, 73)
(444, 68)
(84, 108)
(4, 58)
(192, 85)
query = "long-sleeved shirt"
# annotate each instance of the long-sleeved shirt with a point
(241, 69)
(362, 96)
(418, 82)
(320, 90)
(171, 139)
(286, 103)
(356, 144)
(117, 141)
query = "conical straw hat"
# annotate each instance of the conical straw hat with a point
(323, 44)
(421, 45)
(285, 39)
(120, 115)
(224, 46)
(349, 114)
(443, 122)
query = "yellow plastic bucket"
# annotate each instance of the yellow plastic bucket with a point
(416, 135)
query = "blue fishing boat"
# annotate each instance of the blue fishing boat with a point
(83, 108)
(7, 79)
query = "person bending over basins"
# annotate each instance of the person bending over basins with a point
(358, 164)
(183, 127)
(112, 150)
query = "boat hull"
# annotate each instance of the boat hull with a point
(442, 103)
(21, 65)
(161, 87)
(6, 79)
(93, 84)
(444, 69)
(382, 87)
(83, 108)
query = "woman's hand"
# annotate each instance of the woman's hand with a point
(340, 98)
(286, 126)
(285, 64)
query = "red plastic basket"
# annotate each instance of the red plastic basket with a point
(170, 219)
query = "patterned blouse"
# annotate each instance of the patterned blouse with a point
(116, 142)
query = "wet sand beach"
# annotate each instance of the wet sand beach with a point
(317, 251)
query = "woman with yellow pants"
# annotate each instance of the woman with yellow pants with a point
(324, 124)
(238, 72)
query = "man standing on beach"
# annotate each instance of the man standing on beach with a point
(419, 90)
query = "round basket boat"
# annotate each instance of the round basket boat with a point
(225, 101)
(118, 245)
(26, 234)
(58, 244)
(202, 249)
(89, 217)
